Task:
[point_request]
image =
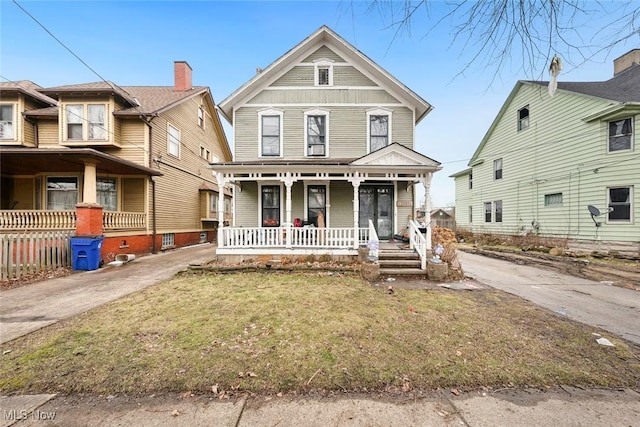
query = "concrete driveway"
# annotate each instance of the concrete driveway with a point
(28, 308)
(598, 304)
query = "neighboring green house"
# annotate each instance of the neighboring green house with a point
(546, 158)
(324, 153)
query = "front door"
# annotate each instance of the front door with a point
(376, 204)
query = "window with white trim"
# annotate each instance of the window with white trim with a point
(487, 211)
(62, 193)
(554, 199)
(86, 122)
(523, 118)
(498, 209)
(214, 202)
(316, 134)
(620, 134)
(316, 203)
(201, 116)
(497, 169)
(107, 193)
(168, 240)
(378, 128)
(7, 121)
(620, 204)
(270, 133)
(173, 140)
(323, 72)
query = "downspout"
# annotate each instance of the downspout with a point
(154, 232)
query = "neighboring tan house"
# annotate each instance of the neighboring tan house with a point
(546, 159)
(443, 218)
(324, 153)
(139, 154)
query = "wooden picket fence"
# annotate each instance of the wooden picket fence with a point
(28, 253)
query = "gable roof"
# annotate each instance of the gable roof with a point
(327, 37)
(623, 89)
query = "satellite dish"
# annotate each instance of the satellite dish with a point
(593, 210)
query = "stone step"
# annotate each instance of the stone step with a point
(402, 272)
(398, 255)
(399, 263)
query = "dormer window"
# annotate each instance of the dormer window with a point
(323, 72)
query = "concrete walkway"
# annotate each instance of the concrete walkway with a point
(560, 407)
(597, 304)
(28, 308)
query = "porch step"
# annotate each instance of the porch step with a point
(399, 262)
(386, 272)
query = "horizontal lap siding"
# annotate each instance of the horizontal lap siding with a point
(28, 129)
(133, 194)
(368, 97)
(341, 210)
(347, 132)
(246, 209)
(177, 191)
(132, 142)
(350, 76)
(322, 53)
(48, 134)
(556, 154)
(297, 76)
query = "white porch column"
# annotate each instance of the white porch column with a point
(355, 181)
(89, 192)
(221, 183)
(288, 183)
(427, 206)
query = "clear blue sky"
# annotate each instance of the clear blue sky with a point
(135, 43)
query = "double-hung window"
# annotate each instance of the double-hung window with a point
(620, 204)
(523, 118)
(7, 127)
(107, 193)
(173, 141)
(497, 169)
(316, 133)
(270, 133)
(487, 212)
(270, 205)
(620, 134)
(498, 208)
(201, 117)
(378, 128)
(86, 122)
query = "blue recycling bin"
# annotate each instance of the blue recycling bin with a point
(85, 252)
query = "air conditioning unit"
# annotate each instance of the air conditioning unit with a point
(316, 150)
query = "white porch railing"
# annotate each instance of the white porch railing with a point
(37, 220)
(116, 220)
(300, 237)
(418, 242)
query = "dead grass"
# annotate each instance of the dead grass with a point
(269, 333)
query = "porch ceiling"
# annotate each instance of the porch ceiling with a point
(29, 161)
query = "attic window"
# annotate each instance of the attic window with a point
(201, 116)
(323, 73)
(523, 118)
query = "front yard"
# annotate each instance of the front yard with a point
(307, 332)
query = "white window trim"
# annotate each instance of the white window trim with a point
(379, 112)
(520, 121)
(14, 121)
(495, 169)
(169, 126)
(631, 204)
(631, 144)
(322, 63)
(327, 201)
(85, 122)
(317, 112)
(270, 184)
(270, 112)
(201, 111)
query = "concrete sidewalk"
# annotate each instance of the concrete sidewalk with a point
(28, 308)
(563, 406)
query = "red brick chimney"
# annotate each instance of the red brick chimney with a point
(181, 76)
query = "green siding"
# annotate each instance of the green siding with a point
(324, 96)
(297, 76)
(324, 52)
(347, 132)
(350, 76)
(558, 153)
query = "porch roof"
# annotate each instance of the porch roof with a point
(27, 161)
